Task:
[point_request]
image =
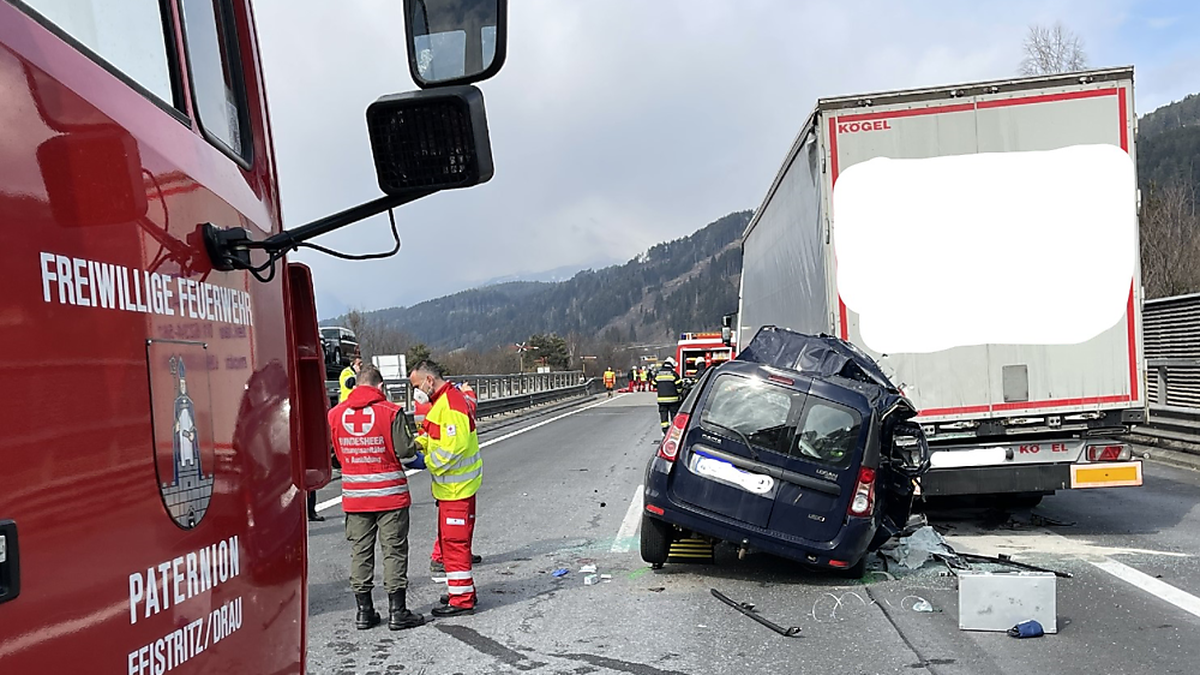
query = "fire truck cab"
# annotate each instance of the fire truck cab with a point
(163, 374)
(696, 352)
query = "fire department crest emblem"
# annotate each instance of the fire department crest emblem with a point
(183, 439)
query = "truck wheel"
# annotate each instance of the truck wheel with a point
(656, 541)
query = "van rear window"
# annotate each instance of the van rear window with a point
(756, 410)
(828, 433)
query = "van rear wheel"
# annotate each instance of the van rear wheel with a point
(656, 540)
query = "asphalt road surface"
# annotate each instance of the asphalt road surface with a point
(564, 493)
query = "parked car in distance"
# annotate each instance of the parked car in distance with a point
(800, 447)
(340, 345)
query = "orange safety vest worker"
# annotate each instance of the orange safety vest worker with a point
(361, 430)
(610, 378)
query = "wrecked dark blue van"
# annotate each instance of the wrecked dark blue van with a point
(800, 447)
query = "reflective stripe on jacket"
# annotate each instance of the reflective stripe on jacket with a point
(451, 446)
(667, 385)
(361, 430)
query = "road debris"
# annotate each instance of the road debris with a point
(1004, 559)
(591, 580)
(561, 572)
(748, 609)
(587, 569)
(997, 601)
(657, 589)
(1047, 521)
(921, 605)
(1026, 629)
(918, 548)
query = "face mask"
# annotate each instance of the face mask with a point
(420, 396)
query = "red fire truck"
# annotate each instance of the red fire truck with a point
(163, 401)
(694, 349)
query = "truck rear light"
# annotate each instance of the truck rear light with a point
(654, 509)
(840, 564)
(1117, 452)
(863, 501)
(669, 448)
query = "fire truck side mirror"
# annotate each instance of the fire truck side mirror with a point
(727, 329)
(455, 42)
(430, 140)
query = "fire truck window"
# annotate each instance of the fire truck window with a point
(215, 66)
(128, 35)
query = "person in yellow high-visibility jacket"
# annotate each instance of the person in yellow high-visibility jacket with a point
(348, 379)
(450, 449)
(610, 381)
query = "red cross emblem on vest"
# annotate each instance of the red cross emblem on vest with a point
(358, 422)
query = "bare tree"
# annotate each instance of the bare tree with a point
(1050, 50)
(1170, 234)
(375, 338)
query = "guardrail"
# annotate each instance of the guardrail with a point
(1172, 343)
(498, 394)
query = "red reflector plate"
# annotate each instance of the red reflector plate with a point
(654, 509)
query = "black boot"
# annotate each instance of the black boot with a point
(367, 617)
(399, 617)
(451, 610)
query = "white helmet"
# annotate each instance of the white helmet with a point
(669, 362)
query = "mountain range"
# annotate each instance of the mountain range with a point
(681, 285)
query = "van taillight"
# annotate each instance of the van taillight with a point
(1109, 453)
(669, 447)
(864, 493)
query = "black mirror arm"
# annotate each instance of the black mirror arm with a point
(229, 248)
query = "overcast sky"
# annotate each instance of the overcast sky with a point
(617, 124)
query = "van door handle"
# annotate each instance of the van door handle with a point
(10, 562)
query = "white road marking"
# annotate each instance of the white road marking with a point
(1162, 590)
(328, 504)
(629, 525)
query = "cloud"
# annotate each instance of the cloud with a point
(1162, 22)
(615, 124)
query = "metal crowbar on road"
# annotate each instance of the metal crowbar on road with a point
(748, 609)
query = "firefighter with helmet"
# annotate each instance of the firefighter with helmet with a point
(666, 382)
